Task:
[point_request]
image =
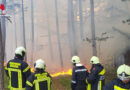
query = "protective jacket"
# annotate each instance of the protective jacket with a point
(39, 81)
(79, 75)
(18, 71)
(96, 77)
(117, 84)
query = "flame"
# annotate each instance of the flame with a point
(62, 73)
(5, 64)
(32, 70)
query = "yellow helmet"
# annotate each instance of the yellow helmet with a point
(123, 72)
(94, 60)
(40, 64)
(75, 59)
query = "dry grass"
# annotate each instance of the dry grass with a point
(63, 82)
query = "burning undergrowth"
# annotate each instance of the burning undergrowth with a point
(56, 74)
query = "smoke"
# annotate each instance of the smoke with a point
(108, 15)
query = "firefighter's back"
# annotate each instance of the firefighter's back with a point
(18, 71)
(81, 75)
(40, 80)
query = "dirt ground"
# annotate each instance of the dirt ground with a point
(57, 85)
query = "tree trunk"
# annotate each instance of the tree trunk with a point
(58, 35)
(1, 62)
(93, 28)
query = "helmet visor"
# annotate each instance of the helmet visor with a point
(121, 78)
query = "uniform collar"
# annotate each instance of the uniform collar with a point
(79, 64)
(96, 65)
(38, 71)
(18, 58)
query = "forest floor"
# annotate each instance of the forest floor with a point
(63, 82)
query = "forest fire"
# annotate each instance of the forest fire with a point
(5, 64)
(62, 73)
(32, 70)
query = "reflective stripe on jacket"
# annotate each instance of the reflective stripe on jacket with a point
(117, 84)
(79, 76)
(17, 71)
(96, 78)
(39, 81)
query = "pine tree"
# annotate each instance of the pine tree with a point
(1, 61)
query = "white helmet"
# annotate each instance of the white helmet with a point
(75, 59)
(94, 60)
(123, 72)
(18, 52)
(22, 49)
(40, 64)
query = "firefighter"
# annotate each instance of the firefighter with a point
(40, 80)
(18, 70)
(96, 76)
(79, 75)
(123, 80)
